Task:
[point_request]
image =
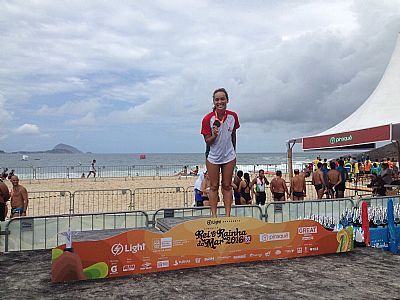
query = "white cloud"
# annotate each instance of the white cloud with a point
(87, 120)
(5, 117)
(70, 108)
(293, 64)
(27, 129)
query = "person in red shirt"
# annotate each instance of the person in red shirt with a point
(219, 131)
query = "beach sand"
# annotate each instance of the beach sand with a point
(106, 194)
(50, 197)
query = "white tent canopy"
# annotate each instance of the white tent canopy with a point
(382, 107)
(376, 120)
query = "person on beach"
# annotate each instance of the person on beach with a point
(334, 180)
(11, 174)
(367, 166)
(278, 187)
(245, 188)
(184, 172)
(298, 186)
(235, 185)
(4, 174)
(19, 198)
(198, 199)
(205, 191)
(260, 182)
(318, 181)
(386, 173)
(4, 197)
(219, 131)
(194, 172)
(344, 177)
(92, 169)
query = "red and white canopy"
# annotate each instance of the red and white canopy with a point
(376, 120)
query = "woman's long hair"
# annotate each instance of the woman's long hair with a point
(246, 177)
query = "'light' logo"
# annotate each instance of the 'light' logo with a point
(117, 249)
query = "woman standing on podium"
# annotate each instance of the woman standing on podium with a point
(219, 131)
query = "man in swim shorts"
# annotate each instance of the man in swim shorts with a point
(318, 181)
(334, 180)
(19, 198)
(278, 187)
(298, 186)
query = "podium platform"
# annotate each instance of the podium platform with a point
(95, 235)
(165, 224)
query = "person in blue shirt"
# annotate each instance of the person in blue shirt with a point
(375, 169)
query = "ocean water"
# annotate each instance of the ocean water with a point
(51, 166)
(13, 161)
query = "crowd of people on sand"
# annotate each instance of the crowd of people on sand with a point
(254, 191)
(330, 180)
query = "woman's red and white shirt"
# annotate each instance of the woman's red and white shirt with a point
(222, 150)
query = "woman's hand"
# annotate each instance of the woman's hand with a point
(215, 131)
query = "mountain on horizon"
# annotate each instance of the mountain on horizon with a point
(59, 148)
(64, 148)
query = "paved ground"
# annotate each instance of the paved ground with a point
(365, 273)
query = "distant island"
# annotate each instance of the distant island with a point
(58, 149)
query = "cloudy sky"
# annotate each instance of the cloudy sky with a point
(138, 76)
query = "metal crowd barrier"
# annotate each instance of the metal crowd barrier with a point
(33, 233)
(253, 211)
(92, 201)
(79, 171)
(49, 203)
(102, 200)
(127, 171)
(151, 198)
(43, 232)
(378, 200)
(282, 211)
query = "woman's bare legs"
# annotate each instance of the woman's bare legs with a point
(227, 172)
(213, 173)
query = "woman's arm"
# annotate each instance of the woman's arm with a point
(234, 139)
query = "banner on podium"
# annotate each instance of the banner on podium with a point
(196, 243)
